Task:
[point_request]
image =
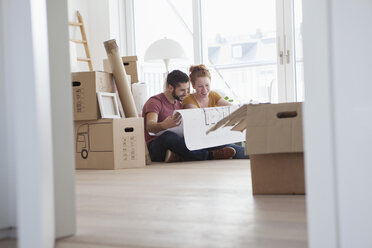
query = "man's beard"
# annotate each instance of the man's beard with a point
(175, 96)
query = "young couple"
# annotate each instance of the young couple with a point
(158, 115)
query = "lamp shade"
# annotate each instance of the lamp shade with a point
(164, 49)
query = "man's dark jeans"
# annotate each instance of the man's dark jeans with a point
(171, 141)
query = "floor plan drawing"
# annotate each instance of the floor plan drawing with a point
(196, 122)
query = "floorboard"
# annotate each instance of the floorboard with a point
(194, 204)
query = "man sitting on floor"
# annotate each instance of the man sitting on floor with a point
(158, 115)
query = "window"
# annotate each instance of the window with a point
(253, 47)
(240, 48)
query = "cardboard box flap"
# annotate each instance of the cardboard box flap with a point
(235, 118)
(274, 128)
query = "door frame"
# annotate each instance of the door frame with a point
(285, 51)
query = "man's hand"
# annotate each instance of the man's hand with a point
(153, 126)
(172, 121)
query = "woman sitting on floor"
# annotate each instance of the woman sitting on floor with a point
(203, 97)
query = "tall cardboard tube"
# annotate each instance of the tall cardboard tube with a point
(121, 79)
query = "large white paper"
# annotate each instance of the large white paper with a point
(178, 130)
(195, 123)
(139, 91)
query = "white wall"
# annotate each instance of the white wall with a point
(102, 22)
(74, 32)
(99, 31)
(338, 122)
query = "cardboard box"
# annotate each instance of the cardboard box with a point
(85, 86)
(110, 144)
(274, 141)
(278, 173)
(130, 65)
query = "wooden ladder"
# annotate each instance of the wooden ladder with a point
(84, 40)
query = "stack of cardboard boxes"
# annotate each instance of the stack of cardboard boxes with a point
(104, 143)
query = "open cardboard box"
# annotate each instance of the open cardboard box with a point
(274, 142)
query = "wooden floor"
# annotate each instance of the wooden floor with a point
(203, 204)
